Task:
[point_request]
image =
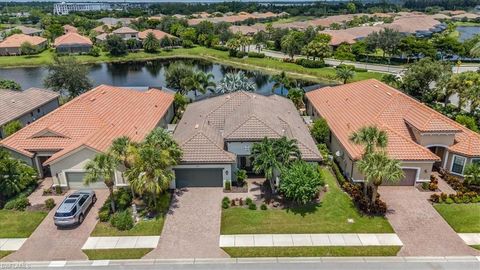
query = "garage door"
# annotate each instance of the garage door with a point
(75, 181)
(199, 177)
(408, 180)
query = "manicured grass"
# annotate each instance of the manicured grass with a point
(142, 228)
(19, 224)
(4, 253)
(330, 216)
(267, 65)
(311, 251)
(463, 218)
(466, 24)
(116, 254)
(476, 247)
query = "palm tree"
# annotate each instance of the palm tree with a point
(102, 166)
(199, 81)
(344, 73)
(472, 174)
(296, 96)
(122, 149)
(265, 158)
(15, 176)
(370, 137)
(287, 150)
(233, 82)
(281, 81)
(377, 168)
(151, 44)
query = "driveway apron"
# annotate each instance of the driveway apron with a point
(422, 230)
(47, 243)
(192, 226)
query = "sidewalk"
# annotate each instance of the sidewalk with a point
(292, 240)
(121, 242)
(470, 238)
(11, 244)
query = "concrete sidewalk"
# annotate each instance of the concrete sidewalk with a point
(121, 242)
(470, 238)
(11, 244)
(292, 240)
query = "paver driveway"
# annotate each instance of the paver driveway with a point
(49, 243)
(422, 230)
(192, 226)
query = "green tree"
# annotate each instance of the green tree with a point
(466, 85)
(292, 43)
(378, 168)
(318, 48)
(282, 81)
(296, 96)
(15, 176)
(27, 48)
(472, 174)
(102, 168)
(475, 51)
(115, 45)
(260, 39)
(448, 45)
(391, 80)
(320, 130)
(10, 84)
(301, 182)
(151, 44)
(387, 40)
(199, 81)
(344, 52)
(12, 127)
(467, 121)
(371, 137)
(176, 73)
(344, 73)
(351, 7)
(67, 76)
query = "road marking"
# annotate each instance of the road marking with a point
(100, 263)
(57, 264)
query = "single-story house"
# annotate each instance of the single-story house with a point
(67, 28)
(63, 141)
(12, 44)
(217, 134)
(420, 137)
(29, 30)
(126, 33)
(157, 33)
(73, 43)
(25, 106)
(101, 29)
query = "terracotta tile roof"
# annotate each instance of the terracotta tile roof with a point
(413, 23)
(93, 120)
(72, 38)
(70, 28)
(14, 104)
(241, 116)
(16, 40)
(247, 29)
(240, 17)
(125, 30)
(99, 29)
(158, 34)
(349, 107)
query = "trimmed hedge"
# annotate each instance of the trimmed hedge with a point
(308, 63)
(256, 55)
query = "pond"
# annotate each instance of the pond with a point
(467, 32)
(141, 74)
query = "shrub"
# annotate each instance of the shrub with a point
(47, 191)
(241, 176)
(425, 185)
(19, 203)
(356, 193)
(122, 220)
(435, 198)
(288, 60)
(95, 51)
(226, 199)
(263, 207)
(308, 63)
(449, 200)
(338, 174)
(256, 55)
(248, 201)
(50, 203)
(104, 215)
(228, 185)
(301, 182)
(320, 130)
(252, 206)
(220, 48)
(58, 190)
(240, 54)
(225, 204)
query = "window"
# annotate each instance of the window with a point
(476, 160)
(82, 200)
(458, 164)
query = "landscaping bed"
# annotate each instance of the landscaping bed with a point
(463, 218)
(116, 254)
(19, 224)
(329, 251)
(331, 215)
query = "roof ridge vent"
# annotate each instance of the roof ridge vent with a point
(375, 85)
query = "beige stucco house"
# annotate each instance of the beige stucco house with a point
(420, 137)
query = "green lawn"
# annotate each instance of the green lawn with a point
(476, 247)
(463, 218)
(116, 254)
(267, 65)
(4, 253)
(330, 216)
(311, 251)
(19, 224)
(142, 228)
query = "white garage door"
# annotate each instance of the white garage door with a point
(75, 181)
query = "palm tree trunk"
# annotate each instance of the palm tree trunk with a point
(112, 199)
(374, 193)
(365, 190)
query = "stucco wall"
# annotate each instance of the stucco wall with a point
(448, 164)
(167, 118)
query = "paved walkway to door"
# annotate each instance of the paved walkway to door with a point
(192, 226)
(422, 230)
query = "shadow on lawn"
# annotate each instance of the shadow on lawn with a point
(303, 210)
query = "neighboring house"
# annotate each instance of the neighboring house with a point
(67, 28)
(420, 137)
(25, 106)
(101, 29)
(12, 44)
(29, 30)
(115, 21)
(101, 37)
(126, 33)
(217, 134)
(62, 142)
(158, 34)
(73, 43)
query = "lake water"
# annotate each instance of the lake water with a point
(139, 74)
(467, 32)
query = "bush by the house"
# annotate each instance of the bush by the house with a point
(19, 203)
(320, 130)
(309, 63)
(301, 182)
(356, 193)
(256, 55)
(263, 207)
(338, 174)
(104, 215)
(241, 176)
(220, 48)
(225, 202)
(288, 60)
(228, 185)
(248, 201)
(95, 51)
(240, 54)
(122, 220)
(49, 203)
(252, 206)
(459, 197)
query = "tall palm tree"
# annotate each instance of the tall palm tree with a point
(296, 96)
(265, 158)
(102, 167)
(122, 149)
(199, 81)
(286, 150)
(378, 168)
(282, 81)
(233, 82)
(370, 137)
(344, 73)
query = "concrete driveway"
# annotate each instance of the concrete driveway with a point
(422, 230)
(49, 243)
(192, 226)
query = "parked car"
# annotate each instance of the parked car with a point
(73, 209)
